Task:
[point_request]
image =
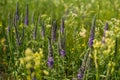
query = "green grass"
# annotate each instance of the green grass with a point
(103, 60)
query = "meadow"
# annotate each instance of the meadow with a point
(59, 39)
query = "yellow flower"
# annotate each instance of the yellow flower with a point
(28, 65)
(106, 52)
(28, 78)
(96, 44)
(83, 33)
(28, 58)
(21, 25)
(41, 52)
(3, 41)
(28, 52)
(37, 63)
(46, 72)
(33, 74)
(21, 60)
(35, 54)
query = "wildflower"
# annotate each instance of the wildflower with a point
(28, 52)
(92, 33)
(45, 72)
(97, 44)
(28, 65)
(41, 51)
(50, 62)
(62, 52)
(21, 60)
(3, 41)
(62, 39)
(26, 17)
(80, 76)
(50, 54)
(54, 30)
(83, 33)
(28, 58)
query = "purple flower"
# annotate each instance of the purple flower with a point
(54, 30)
(50, 62)
(26, 17)
(62, 52)
(50, 54)
(80, 76)
(92, 33)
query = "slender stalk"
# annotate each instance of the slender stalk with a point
(96, 65)
(16, 32)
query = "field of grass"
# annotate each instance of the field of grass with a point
(59, 40)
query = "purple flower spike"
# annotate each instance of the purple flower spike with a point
(50, 62)
(62, 52)
(54, 30)
(50, 54)
(26, 17)
(92, 33)
(80, 76)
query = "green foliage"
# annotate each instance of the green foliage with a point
(78, 15)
